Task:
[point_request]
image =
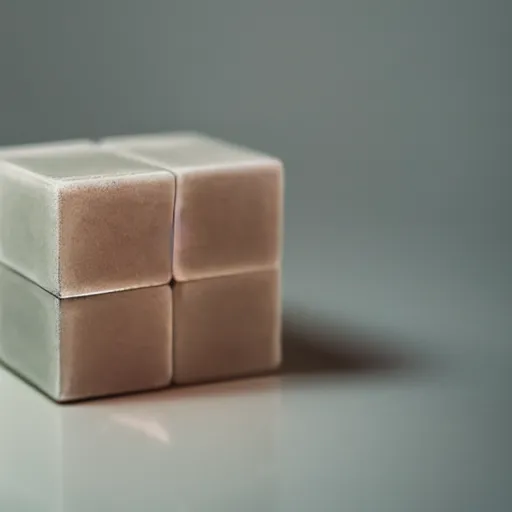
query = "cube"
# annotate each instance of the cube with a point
(79, 220)
(226, 326)
(86, 347)
(228, 213)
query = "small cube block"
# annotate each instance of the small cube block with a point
(86, 347)
(78, 220)
(226, 327)
(228, 213)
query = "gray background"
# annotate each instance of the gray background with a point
(393, 119)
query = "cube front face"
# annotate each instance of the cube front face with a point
(226, 327)
(227, 222)
(115, 343)
(115, 233)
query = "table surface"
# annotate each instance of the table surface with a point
(349, 423)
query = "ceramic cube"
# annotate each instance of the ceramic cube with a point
(79, 220)
(229, 199)
(86, 347)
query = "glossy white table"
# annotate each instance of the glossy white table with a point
(347, 425)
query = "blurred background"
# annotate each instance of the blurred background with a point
(394, 120)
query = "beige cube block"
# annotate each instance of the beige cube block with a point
(229, 200)
(226, 326)
(86, 347)
(79, 220)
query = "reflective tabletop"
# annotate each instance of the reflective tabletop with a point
(347, 424)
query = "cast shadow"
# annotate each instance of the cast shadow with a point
(311, 346)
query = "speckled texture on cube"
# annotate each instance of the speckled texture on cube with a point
(86, 347)
(226, 326)
(81, 220)
(229, 201)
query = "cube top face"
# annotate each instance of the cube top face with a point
(81, 221)
(80, 162)
(44, 147)
(73, 349)
(229, 201)
(187, 152)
